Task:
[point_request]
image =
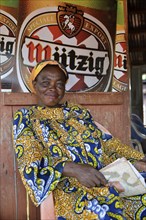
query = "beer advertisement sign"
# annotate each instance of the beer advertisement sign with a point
(79, 34)
(8, 32)
(79, 37)
(120, 76)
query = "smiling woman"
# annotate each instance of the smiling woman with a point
(61, 149)
(49, 87)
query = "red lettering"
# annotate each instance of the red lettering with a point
(31, 49)
(37, 52)
(118, 61)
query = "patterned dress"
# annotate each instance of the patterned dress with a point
(45, 138)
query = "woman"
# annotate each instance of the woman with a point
(60, 149)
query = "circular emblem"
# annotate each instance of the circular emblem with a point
(120, 79)
(8, 28)
(76, 39)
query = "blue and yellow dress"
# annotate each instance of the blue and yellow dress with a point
(45, 138)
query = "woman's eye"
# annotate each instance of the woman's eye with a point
(45, 83)
(60, 84)
(50, 84)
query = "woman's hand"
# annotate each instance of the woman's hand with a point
(117, 185)
(141, 164)
(85, 174)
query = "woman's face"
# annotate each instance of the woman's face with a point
(50, 86)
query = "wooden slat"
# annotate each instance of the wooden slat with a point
(95, 98)
(101, 98)
(8, 201)
(1, 98)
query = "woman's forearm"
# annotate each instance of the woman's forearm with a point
(85, 174)
(70, 169)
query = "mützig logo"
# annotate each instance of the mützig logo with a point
(86, 50)
(7, 43)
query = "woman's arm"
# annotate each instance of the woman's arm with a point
(85, 174)
(40, 172)
(141, 164)
(114, 147)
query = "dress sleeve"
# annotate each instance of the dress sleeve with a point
(40, 172)
(114, 148)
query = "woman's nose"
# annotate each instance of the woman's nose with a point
(52, 86)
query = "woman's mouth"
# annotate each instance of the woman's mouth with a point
(52, 95)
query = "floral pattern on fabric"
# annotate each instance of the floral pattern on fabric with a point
(45, 138)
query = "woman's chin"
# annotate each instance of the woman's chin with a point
(49, 102)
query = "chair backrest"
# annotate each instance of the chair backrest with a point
(109, 109)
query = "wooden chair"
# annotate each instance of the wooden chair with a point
(109, 109)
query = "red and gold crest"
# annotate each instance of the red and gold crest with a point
(70, 20)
